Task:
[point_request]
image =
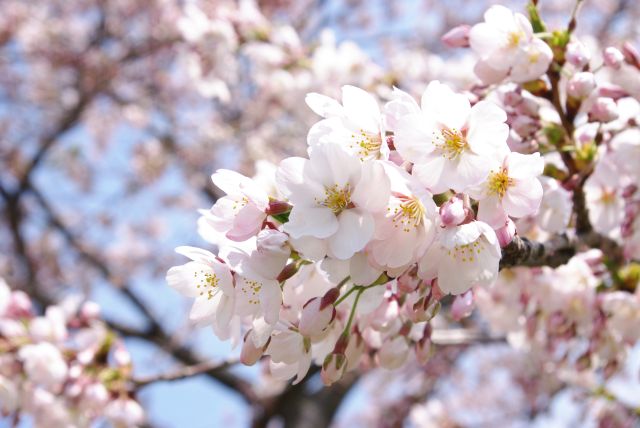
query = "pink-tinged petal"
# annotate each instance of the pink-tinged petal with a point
(330, 164)
(303, 368)
(484, 39)
(290, 177)
(225, 311)
(401, 105)
(470, 169)
(429, 173)
(323, 106)
(270, 300)
(460, 235)
(329, 130)
(183, 278)
(247, 223)
(354, 232)
(490, 73)
(362, 108)
(491, 212)
(319, 222)
(362, 273)
(522, 167)
(310, 248)
(499, 16)
(414, 137)
(449, 108)
(228, 181)
(523, 198)
(204, 309)
(488, 131)
(428, 264)
(196, 254)
(523, 23)
(225, 279)
(373, 190)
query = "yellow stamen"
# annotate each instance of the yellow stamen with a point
(452, 143)
(499, 182)
(337, 199)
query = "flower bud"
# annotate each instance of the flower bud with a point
(453, 212)
(506, 233)
(457, 37)
(577, 54)
(613, 57)
(355, 349)
(90, 311)
(318, 313)
(525, 125)
(124, 412)
(19, 305)
(250, 353)
(612, 91)
(424, 347)
(581, 85)
(462, 306)
(393, 353)
(121, 355)
(95, 396)
(333, 368)
(631, 55)
(603, 110)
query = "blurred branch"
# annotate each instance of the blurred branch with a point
(183, 372)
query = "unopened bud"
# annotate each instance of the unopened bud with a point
(120, 355)
(577, 54)
(424, 347)
(19, 305)
(612, 91)
(506, 233)
(250, 353)
(318, 313)
(89, 311)
(525, 125)
(631, 55)
(462, 306)
(613, 57)
(457, 37)
(581, 85)
(453, 212)
(333, 368)
(278, 207)
(603, 110)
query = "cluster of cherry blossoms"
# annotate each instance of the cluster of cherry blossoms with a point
(346, 256)
(64, 368)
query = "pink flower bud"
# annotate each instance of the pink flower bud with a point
(631, 55)
(90, 311)
(121, 355)
(19, 305)
(603, 110)
(581, 85)
(424, 347)
(250, 353)
(613, 57)
(355, 349)
(512, 98)
(318, 313)
(333, 368)
(525, 125)
(506, 233)
(278, 207)
(577, 54)
(453, 212)
(462, 306)
(457, 37)
(612, 91)
(95, 396)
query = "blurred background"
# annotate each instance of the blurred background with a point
(114, 114)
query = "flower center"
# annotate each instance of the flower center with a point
(206, 282)
(251, 290)
(336, 198)
(466, 253)
(452, 143)
(515, 37)
(409, 213)
(368, 144)
(499, 182)
(608, 196)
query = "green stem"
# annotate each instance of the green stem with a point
(347, 294)
(353, 310)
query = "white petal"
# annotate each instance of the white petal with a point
(372, 191)
(491, 212)
(196, 254)
(270, 299)
(525, 166)
(319, 222)
(354, 232)
(523, 198)
(323, 106)
(361, 107)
